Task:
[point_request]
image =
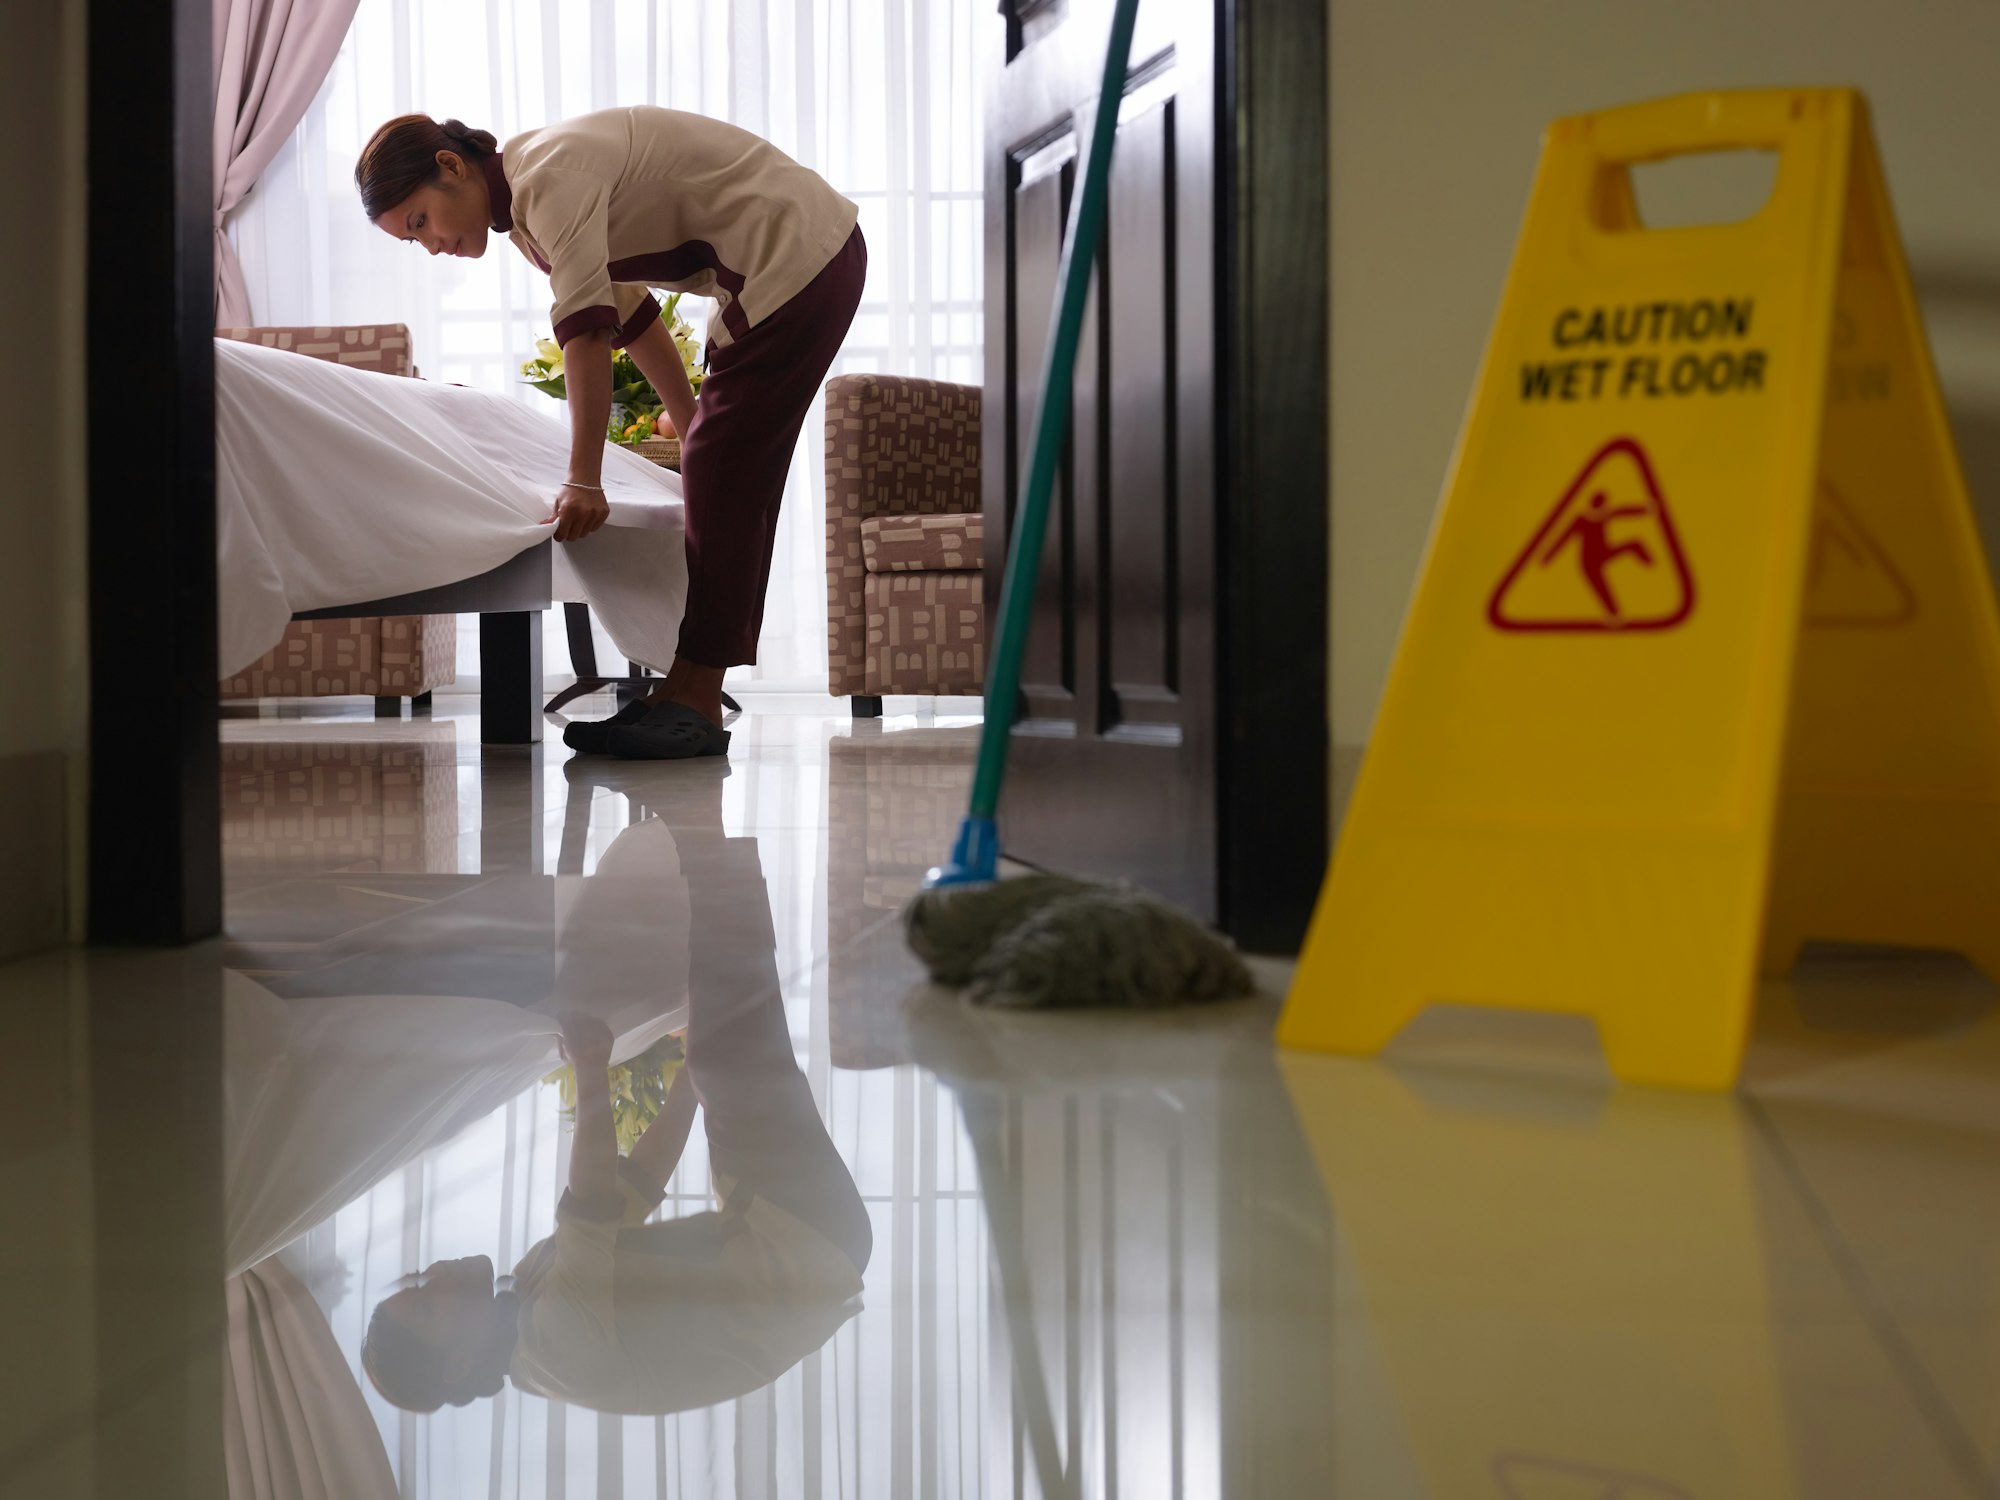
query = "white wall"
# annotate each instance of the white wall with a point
(1437, 109)
(42, 596)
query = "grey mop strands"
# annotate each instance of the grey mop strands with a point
(1050, 940)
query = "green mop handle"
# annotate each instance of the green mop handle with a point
(1024, 552)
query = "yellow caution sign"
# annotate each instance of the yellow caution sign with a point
(1704, 662)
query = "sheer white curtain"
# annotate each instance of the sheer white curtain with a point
(881, 97)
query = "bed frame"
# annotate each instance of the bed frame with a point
(509, 600)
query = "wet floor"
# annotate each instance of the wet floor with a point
(867, 1241)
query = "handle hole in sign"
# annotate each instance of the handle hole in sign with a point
(1709, 187)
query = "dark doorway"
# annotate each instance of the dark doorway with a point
(155, 774)
(1174, 725)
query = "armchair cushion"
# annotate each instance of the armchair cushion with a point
(926, 634)
(923, 544)
(896, 447)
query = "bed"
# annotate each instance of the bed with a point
(345, 492)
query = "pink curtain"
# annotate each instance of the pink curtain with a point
(271, 56)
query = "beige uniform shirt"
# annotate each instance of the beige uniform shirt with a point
(614, 202)
(676, 1315)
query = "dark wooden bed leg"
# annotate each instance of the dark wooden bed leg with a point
(510, 678)
(388, 707)
(867, 705)
(420, 706)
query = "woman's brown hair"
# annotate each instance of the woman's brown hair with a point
(402, 156)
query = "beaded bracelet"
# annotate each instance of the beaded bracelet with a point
(571, 484)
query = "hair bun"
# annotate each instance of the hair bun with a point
(482, 141)
(402, 156)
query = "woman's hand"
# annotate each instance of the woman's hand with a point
(660, 362)
(577, 513)
(586, 1042)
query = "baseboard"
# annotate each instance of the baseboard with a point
(34, 852)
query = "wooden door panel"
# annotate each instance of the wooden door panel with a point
(1041, 177)
(1174, 727)
(1139, 509)
(1112, 768)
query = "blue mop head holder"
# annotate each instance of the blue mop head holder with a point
(975, 858)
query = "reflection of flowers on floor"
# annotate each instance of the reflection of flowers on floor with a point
(636, 412)
(638, 1088)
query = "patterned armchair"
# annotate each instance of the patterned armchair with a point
(905, 612)
(388, 660)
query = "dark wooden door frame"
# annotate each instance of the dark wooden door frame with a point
(1273, 555)
(1248, 512)
(154, 1071)
(155, 816)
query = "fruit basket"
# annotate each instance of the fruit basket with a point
(664, 451)
(635, 405)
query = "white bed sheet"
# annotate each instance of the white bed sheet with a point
(337, 486)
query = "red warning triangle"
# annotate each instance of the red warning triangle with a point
(1850, 578)
(1606, 560)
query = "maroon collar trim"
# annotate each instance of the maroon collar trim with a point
(500, 196)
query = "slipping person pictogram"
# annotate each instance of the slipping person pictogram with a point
(1591, 531)
(1607, 557)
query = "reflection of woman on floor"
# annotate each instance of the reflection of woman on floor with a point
(619, 1315)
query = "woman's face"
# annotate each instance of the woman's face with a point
(449, 216)
(451, 1309)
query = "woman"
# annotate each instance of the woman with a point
(609, 204)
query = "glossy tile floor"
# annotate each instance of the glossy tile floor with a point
(917, 1250)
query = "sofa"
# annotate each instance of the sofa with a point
(905, 606)
(389, 660)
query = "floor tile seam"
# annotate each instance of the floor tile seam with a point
(464, 830)
(478, 880)
(787, 978)
(512, 819)
(790, 979)
(1959, 1447)
(854, 942)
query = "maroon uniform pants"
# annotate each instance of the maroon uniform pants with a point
(737, 452)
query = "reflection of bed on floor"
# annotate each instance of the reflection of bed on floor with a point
(509, 595)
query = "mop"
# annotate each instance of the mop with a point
(1047, 940)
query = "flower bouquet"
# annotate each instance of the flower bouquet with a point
(636, 409)
(638, 1088)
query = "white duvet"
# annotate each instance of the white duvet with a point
(337, 486)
